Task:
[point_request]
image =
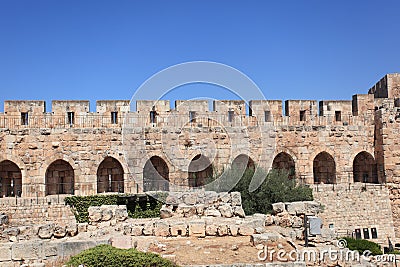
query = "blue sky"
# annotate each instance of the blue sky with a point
(100, 49)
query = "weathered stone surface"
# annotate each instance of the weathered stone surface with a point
(223, 230)
(233, 229)
(46, 231)
(82, 227)
(3, 219)
(225, 210)
(189, 198)
(212, 212)
(95, 213)
(148, 228)
(137, 230)
(264, 238)
(278, 207)
(106, 214)
(72, 229)
(197, 228)
(269, 220)
(60, 231)
(121, 213)
(27, 251)
(161, 228)
(13, 231)
(236, 199)
(123, 242)
(5, 252)
(246, 229)
(166, 212)
(178, 228)
(200, 209)
(238, 211)
(211, 229)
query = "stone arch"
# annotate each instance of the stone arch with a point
(155, 175)
(324, 169)
(243, 161)
(200, 169)
(110, 176)
(60, 178)
(283, 161)
(10, 179)
(364, 168)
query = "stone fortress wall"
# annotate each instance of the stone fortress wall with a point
(71, 150)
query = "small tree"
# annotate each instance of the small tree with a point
(276, 187)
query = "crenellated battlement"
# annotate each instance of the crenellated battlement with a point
(112, 113)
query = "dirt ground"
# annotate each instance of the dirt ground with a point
(211, 250)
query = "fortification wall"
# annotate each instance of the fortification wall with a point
(351, 207)
(36, 211)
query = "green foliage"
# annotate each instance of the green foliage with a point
(106, 255)
(276, 187)
(138, 207)
(362, 245)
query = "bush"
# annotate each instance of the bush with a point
(106, 255)
(145, 207)
(362, 245)
(276, 187)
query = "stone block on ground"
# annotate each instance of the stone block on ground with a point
(197, 228)
(278, 207)
(5, 252)
(124, 242)
(60, 231)
(178, 228)
(239, 211)
(212, 212)
(225, 210)
(95, 214)
(246, 229)
(236, 199)
(211, 229)
(46, 231)
(161, 228)
(264, 238)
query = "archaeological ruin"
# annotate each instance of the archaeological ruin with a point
(347, 151)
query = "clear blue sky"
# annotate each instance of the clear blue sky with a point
(94, 49)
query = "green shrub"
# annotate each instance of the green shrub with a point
(142, 207)
(106, 255)
(362, 245)
(276, 187)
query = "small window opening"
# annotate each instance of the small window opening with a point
(302, 115)
(338, 115)
(192, 116)
(231, 114)
(153, 116)
(71, 118)
(366, 233)
(24, 118)
(357, 233)
(374, 233)
(114, 117)
(267, 116)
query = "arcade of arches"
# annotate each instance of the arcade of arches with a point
(324, 169)
(364, 168)
(60, 178)
(200, 169)
(283, 161)
(155, 175)
(10, 179)
(110, 176)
